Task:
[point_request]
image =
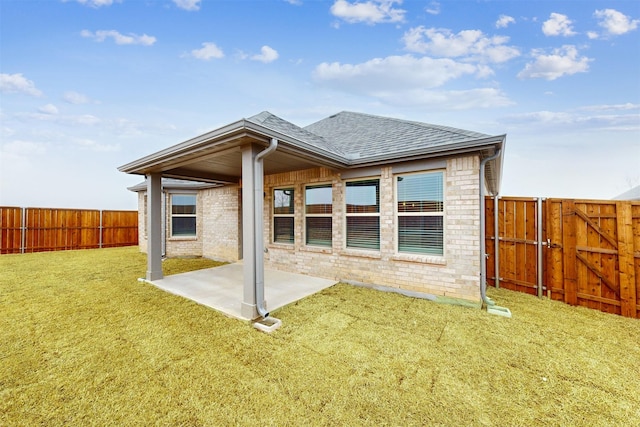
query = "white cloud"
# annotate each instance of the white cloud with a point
(96, 3)
(119, 38)
(76, 98)
(73, 120)
(20, 148)
(556, 120)
(208, 51)
(445, 99)
(611, 107)
(48, 109)
(614, 22)
(592, 35)
(558, 25)
(469, 44)
(433, 8)
(294, 2)
(392, 72)
(190, 5)
(504, 21)
(562, 61)
(410, 81)
(17, 83)
(267, 54)
(89, 144)
(370, 12)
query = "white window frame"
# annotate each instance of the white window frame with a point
(275, 215)
(317, 215)
(361, 215)
(193, 215)
(398, 214)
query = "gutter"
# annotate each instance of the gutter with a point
(258, 199)
(492, 308)
(483, 253)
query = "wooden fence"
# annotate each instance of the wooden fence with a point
(582, 252)
(24, 230)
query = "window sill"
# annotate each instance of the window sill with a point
(423, 259)
(182, 238)
(317, 249)
(361, 253)
(283, 246)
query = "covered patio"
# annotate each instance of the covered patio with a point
(234, 154)
(221, 287)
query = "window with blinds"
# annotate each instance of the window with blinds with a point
(183, 215)
(420, 212)
(283, 210)
(363, 214)
(318, 205)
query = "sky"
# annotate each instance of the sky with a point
(89, 85)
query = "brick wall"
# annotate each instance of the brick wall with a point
(222, 223)
(455, 274)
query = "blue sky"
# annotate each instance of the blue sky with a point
(89, 85)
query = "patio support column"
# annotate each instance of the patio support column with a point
(154, 222)
(248, 308)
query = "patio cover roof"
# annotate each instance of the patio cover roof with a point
(342, 141)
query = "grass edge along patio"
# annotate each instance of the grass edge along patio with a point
(353, 197)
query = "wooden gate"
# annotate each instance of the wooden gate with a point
(517, 243)
(585, 252)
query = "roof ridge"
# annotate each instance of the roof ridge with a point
(455, 130)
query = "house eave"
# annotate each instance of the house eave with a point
(229, 136)
(449, 150)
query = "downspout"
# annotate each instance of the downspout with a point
(483, 249)
(258, 198)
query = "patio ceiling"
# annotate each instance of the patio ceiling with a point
(217, 155)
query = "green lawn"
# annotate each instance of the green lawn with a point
(83, 343)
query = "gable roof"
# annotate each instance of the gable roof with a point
(342, 141)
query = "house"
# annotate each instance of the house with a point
(353, 197)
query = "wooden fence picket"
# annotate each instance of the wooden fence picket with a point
(49, 229)
(591, 252)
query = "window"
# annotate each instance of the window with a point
(318, 210)
(183, 215)
(283, 210)
(363, 214)
(420, 213)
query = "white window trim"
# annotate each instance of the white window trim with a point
(306, 215)
(413, 256)
(171, 215)
(354, 250)
(275, 215)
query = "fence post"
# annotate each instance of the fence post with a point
(539, 244)
(626, 272)
(569, 248)
(100, 227)
(496, 240)
(23, 229)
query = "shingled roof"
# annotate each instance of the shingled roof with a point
(357, 136)
(342, 141)
(364, 136)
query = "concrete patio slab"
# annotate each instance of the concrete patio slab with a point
(221, 287)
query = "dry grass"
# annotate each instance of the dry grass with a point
(83, 343)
